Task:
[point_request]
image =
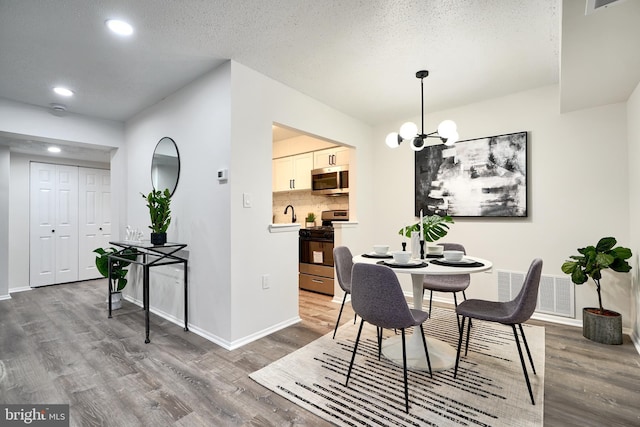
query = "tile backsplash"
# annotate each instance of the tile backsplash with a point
(303, 201)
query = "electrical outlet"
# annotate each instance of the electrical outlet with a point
(265, 281)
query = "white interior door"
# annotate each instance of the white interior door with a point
(42, 225)
(53, 224)
(94, 218)
(66, 231)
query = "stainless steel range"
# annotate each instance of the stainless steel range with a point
(316, 254)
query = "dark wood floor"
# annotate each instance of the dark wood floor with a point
(57, 346)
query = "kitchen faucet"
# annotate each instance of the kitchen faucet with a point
(293, 214)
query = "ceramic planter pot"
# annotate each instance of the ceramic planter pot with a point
(158, 238)
(116, 300)
(603, 328)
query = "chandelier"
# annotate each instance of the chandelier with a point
(447, 129)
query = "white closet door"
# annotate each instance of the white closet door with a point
(94, 218)
(53, 224)
(66, 232)
(42, 224)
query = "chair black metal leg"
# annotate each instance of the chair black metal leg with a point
(524, 367)
(455, 372)
(465, 298)
(466, 347)
(404, 368)
(340, 315)
(426, 351)
(524, 339)
(455, 302)
(379, 331)
(353, 356)
(430, 300)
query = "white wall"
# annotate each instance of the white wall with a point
(197, 118)
(258, 102)
(577, 183)
(4, 222)
(633, 130)
(38, 122)
(223, 120)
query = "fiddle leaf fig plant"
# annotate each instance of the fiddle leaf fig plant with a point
(593, 259)
(435, 227)
(118, 266)
(158, 203)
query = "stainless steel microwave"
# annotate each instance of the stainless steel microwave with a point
(332, 181)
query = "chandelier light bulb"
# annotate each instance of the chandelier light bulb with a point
(417, 144)
(408, 130)
(447, 128)
(453, 138)
(392, 140)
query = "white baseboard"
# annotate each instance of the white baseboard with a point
(227, 345)
(4, 297)
(22, 289)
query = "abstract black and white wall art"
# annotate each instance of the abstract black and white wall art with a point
(483, 177)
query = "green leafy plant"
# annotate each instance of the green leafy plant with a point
(311, 217)
(158, 203)
(435, 227)
(593, 259)
(118, 266)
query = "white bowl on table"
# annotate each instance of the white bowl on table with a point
(401, 257)
(435, 250)
(453, 255)
(381, 249)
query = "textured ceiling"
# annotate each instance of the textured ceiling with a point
(358, 56)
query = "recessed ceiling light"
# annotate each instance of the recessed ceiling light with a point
(53, 149)
(119, 27)
(63, 91)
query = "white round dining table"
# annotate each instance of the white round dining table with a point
(441, 354)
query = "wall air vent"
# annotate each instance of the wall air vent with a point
(595, 5)
(555, 294)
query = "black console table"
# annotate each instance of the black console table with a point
(152, 256)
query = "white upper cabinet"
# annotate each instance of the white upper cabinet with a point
(292, 172)
(336, 156)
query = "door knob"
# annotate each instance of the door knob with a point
(53, 231)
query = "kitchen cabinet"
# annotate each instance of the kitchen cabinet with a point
(292, 172)
(337, 156)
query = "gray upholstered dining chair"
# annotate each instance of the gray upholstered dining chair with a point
(376, 296)
(511, 313)
(343, 260)
(448, 283)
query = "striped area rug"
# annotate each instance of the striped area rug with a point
(490, 389)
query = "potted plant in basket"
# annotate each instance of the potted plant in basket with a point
(158, 203)
(118, 271)
(598, 324)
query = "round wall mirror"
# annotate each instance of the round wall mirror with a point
(165, 165)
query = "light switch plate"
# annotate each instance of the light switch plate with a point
(246, 200)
